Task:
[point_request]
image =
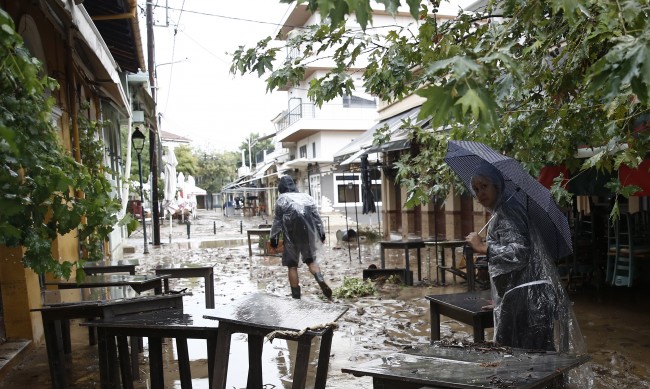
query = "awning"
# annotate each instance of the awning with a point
(364, 143)
(302, 163)
(639, 177)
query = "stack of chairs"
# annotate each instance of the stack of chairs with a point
(628, 240)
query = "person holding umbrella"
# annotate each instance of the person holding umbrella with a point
(526, 234)
(296, 217)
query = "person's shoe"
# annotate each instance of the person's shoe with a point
(326, 289)
(295, 292)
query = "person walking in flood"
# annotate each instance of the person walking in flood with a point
(297, 219)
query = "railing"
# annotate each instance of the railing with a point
(296, 113)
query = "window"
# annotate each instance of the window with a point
(348, 193)
(303, 151)
(313, 150)
(358, 102)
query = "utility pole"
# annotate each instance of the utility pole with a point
(153, 130)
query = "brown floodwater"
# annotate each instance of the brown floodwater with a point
(614, 321)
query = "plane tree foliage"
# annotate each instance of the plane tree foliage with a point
(534, 79)
(45, 192)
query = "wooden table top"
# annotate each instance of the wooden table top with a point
(470, 367)
(106, 280)
(278, 313)
(161, 319)
(470, 301)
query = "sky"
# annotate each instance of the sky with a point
(197, 96)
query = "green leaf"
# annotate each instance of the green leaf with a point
(471, 101)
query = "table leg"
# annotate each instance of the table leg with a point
(156, 362)
(212, 348)
(65, 336)
(221, 357)
(408, 267)
(419, 264)
(52, 332)
(184, 363)
(434, 312)
(209, 290)
(136, 347)
(382, 256)
(166, 284)
(323, 359)
(108, 362)
(125, 362)
(302, 362)
(255, 346)
(250, 250)
(479, 331)
(469, 260)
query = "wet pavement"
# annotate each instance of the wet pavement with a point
(613, 320)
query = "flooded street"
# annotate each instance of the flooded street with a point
(614, 320)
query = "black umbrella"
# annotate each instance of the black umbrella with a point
(367, 198)
(463, 157)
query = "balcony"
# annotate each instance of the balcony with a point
(306, 119)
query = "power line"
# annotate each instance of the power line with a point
(229, 17)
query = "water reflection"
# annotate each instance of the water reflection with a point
(221, 243)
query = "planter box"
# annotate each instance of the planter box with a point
(407, 279)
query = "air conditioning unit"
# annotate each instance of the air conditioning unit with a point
(138, 116)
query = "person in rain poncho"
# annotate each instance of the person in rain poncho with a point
(297, 218)
(531, 308)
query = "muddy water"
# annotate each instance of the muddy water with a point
(614, 320)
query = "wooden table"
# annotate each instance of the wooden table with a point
(207, 272)
(156, 325)
(259, 315)
(440, 247)
(467, 367)
(95, 268)
(258, 232)
(139, 283)
(406, 245)
(56, 323)
(464, 307)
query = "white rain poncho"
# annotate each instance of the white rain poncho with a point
(297, 218)
(531, 307)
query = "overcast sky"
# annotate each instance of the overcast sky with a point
(197, 97)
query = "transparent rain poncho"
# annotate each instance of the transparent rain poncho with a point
(296, 217)
(531, 307)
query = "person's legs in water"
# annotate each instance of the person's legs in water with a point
(294, 282)
(315, 270)
(290, 256)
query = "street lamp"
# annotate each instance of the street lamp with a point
(137, 139)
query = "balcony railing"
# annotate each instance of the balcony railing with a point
(298, 112)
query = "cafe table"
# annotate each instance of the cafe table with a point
(139, 283)
(469, 367)
(113, 349)
(207, 272)
(257, 232)
(406, 245)
(100, 303)
(469, 308)
(261, 315)
(96, 268)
